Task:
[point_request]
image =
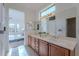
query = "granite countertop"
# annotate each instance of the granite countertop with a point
(65, 42)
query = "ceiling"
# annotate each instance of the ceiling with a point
(28, 6)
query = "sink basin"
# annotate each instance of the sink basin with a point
(42, 34)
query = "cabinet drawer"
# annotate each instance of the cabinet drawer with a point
(43, 48)
(55, 50)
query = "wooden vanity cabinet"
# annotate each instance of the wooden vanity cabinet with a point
(43, 48)
(55, 50)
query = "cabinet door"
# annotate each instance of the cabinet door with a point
(30, 41)
(55, 50)
(33, 43)
(36, 45)
(43, 48)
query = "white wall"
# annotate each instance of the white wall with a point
(1, 45)
(0, 29)
(77, 29)
(3, 37)
(6, 39)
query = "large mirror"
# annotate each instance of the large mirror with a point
(48, 26)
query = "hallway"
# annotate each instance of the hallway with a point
(21, 51)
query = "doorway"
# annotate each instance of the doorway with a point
(16, 28)
(71, 27)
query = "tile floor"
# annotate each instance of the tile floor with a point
(21, 51)
(18, 49)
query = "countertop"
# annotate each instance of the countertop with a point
(65, 42)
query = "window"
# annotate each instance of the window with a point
(49, 10)
(11, 28)
(11, 25)
(18, 26)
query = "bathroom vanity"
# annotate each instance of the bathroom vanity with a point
(49, 45)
